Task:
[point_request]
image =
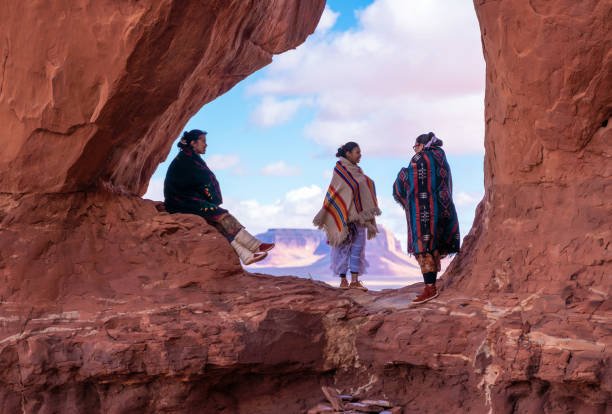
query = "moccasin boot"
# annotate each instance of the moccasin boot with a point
(429, 293)
(246, 255)
(343, 283)
(358, 285)
(247, 240)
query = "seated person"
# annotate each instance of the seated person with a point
(191, 187)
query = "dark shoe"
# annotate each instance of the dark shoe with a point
(343, 284)
(358, 285)
(265, 247)
(428, 294)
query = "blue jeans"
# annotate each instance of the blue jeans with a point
(351, 255)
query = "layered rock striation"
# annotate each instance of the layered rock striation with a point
(108, 305)
(109, 86)
(544, 223)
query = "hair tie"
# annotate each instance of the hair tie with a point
(433, 141)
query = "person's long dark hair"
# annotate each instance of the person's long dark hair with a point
(348, 147)
(430, 140)
(425, 138)
(189, 136)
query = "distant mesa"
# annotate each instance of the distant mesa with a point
(305, 253)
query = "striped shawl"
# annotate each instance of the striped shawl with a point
(351, 198)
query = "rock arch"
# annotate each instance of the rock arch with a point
(107, 305)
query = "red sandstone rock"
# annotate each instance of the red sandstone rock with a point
(363, 407)
(394, 410)
(320, 409)
(333, 397)
(109, 305)
(109, 86)
(382, 403)
(544, 223)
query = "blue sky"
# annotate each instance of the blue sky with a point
(378, 72)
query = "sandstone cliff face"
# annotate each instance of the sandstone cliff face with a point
(108, 85)
(544, 224)
(107, 305)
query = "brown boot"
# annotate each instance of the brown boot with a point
(343, 283)
(358, 285)
(428, 294)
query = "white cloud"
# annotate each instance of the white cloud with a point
(222, 162)
(155, 190)
(327, 21)
(295, 210)
(280, 169)
(271, 111)
(408, 68)
(303, 193)
(465, 199)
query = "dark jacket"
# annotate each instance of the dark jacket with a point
(191, 187)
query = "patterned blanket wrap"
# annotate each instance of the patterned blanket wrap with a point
(425, 191)
(350, 198)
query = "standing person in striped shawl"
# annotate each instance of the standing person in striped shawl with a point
(348, 216)
(425, 190)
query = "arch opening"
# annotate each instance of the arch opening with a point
(375, 72)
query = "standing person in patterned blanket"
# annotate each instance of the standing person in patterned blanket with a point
(191, 187)
(348, 213)
(425, 190)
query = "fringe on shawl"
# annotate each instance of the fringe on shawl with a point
(366, 218)
(368, 215)
(334, 238)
